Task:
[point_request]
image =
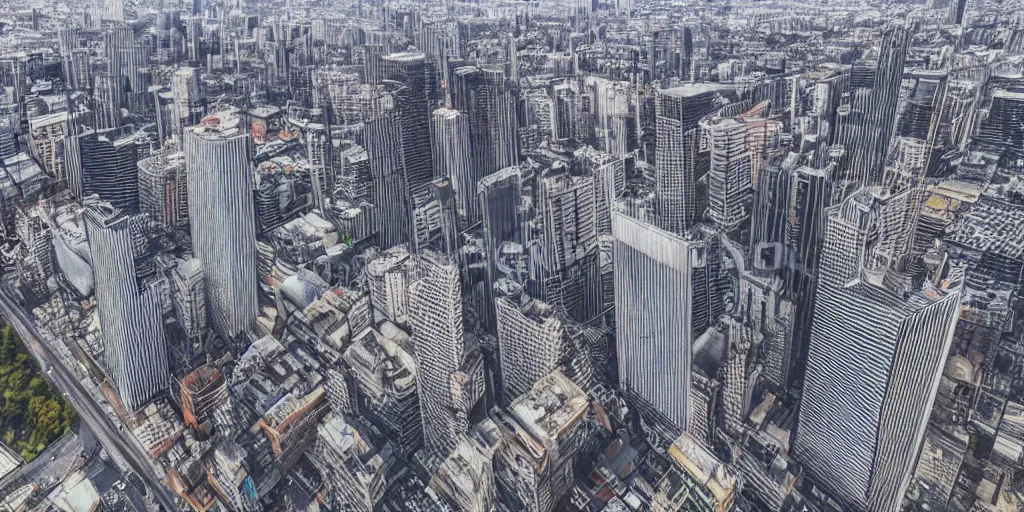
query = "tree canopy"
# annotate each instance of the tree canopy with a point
(32, 412)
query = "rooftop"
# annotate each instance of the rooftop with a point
(993, 227)
(219, 125)
(690, 90)
(551, 407)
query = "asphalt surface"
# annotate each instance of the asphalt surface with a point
(91, 413)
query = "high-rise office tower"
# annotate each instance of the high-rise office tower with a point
(564, 110)
(193, 34)
(958, 8)
(110, 168)
(654, 309)
(810, 194)
(116, 37)
(113, 10)
(531, 343)
(729, 178)
(48, 136)
(69, 39)
(188, 98)
(568, 267)
(443, 194)
(135, 62)
(768, 221)
(500, 199)
(163, 187)
(411, 70)
(875, 122)
(189, 296)
(387, 279)
(483, 96)
(321, 170)
(609, 173)
(108, 98)
(134, 346)
(384, 142)
(923, 110)
(678, 162)
(165, 113)
(920, 135)
(453, 158)
(874, 362)
(222, 218)
(435, 305)
(1000, 131)
(80, 69)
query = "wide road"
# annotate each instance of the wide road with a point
(91, 413)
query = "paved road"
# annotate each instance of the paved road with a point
(91, 413)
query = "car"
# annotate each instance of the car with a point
(53, 458)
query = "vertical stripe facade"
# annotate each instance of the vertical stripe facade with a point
(222, 218)
(653, 309)
(678, 112)
(875, 122)
(410, 70)
(453, 158)
(134, 346)
(500, 196)
(384, 141)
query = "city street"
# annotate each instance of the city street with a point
(90, 412)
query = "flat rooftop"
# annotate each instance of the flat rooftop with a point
(690, 90)
(553, 405)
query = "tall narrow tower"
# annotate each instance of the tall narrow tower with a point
(221, 213)
(134, 345)
(435, 304)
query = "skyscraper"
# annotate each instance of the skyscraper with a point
(435, 305)
(411, 70)
(321, 171)
(500, 198)
(134, 346)
(873, 366)
(453, 158)
(483, 96)
(875, 122)
(958, 8)
(188, 100)
(678, 162)
(654, 312)
(609, 182)
(108, 98)
(110, 168)
(729, 178)
(568, 273)
(805, 231)
(531, 343)
(163, 187)
(48, 137)
(1000, 130)
(222, 218)
(384, 142)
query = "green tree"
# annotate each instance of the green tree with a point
(32, 412)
